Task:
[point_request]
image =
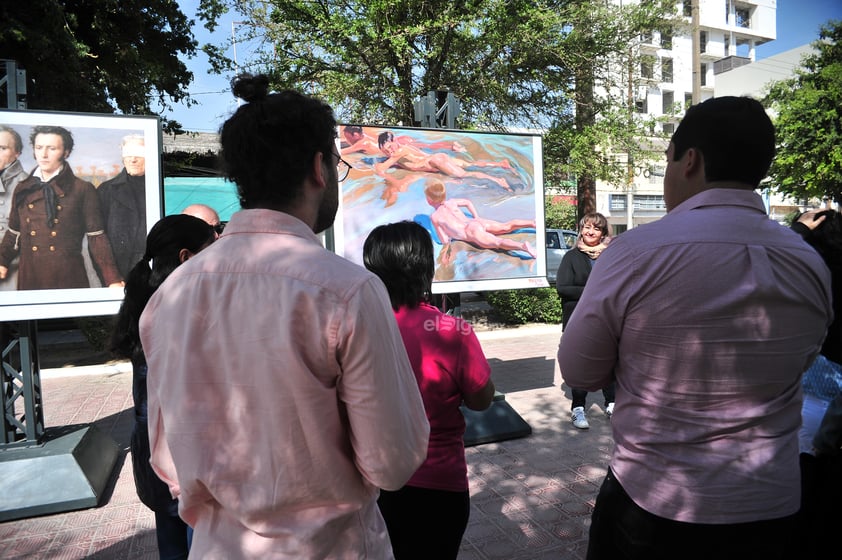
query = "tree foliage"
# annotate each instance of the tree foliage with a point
(808, 122)
(559, 214)
(553, 65)
(99, 55)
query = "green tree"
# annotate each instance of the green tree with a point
(511, 62)
(99, 55)
(559, 214)
(808, 122)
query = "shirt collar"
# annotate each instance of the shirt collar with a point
(722, 197)
(260, 220)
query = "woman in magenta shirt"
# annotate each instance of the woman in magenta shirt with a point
(427, 517)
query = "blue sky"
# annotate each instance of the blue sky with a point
(798, 23)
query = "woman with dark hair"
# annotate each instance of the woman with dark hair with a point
(170, 242)
(572, 275)
(428, 516)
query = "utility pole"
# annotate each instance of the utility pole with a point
(697, 55)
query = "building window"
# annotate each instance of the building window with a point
(668, 128)
(667, 101)
(646, 69)
(646, 37)
(727, 44)
(618, 203)
(666, 70)
(703, 41)
(649, 202)
(641, 105)
(656, 173)
(743, 17)
(688, 100)
(688, 8)
(703, 70)
(666, 38)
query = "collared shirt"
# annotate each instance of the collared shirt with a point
(449, 363)
(280, 396)
(706, 318)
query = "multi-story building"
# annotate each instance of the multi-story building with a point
(729, 32)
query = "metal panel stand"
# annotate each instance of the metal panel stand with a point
(499, 421)
(44, 470)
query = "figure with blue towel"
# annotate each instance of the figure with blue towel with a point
(450, 223)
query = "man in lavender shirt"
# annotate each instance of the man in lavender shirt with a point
(281, 398)
(706, 320)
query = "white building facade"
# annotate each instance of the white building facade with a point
(729, 32)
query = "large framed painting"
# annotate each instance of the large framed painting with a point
(78, 192)
(479, 194)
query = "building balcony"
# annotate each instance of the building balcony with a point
(729, 63)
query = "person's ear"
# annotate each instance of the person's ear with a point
(694, 162)
(183, 255)
(318, 169)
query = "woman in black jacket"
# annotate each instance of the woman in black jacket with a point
(573, 273)
(171, 241)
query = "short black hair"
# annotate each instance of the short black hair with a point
(401, 255)
(384, 137)
(164, 242)
(735, 136)
(268, 145)
(66, 137)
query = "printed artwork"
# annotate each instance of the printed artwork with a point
(78, 193)
(480, 196)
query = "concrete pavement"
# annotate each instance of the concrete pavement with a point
(531, 498)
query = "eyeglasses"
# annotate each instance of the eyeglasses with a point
(342, 168)
(218, 228)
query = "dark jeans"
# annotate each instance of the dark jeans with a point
(821, 496)
(580, 396)
(174, 536)
(424, 524)
(620, 529)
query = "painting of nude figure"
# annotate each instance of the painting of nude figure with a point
(480, 195)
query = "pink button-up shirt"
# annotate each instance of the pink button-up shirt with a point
(706, 318)
(280, 396)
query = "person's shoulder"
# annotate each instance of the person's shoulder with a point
(112, 182)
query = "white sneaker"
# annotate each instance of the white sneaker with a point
(579, 419)
(609, 410)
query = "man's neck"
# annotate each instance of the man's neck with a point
(47, 176)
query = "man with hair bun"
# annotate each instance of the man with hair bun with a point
(281, 398)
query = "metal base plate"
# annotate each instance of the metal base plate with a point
(69, 470)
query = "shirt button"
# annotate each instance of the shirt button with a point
(33, 233)
(27, 220)
(52, 248)
(34, 248)
(53, 234)
(31, 206)
(55, 221)
(58, 206)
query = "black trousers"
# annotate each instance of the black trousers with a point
(821, 502)
(580, 396)
(620, 529)
(425, 524)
